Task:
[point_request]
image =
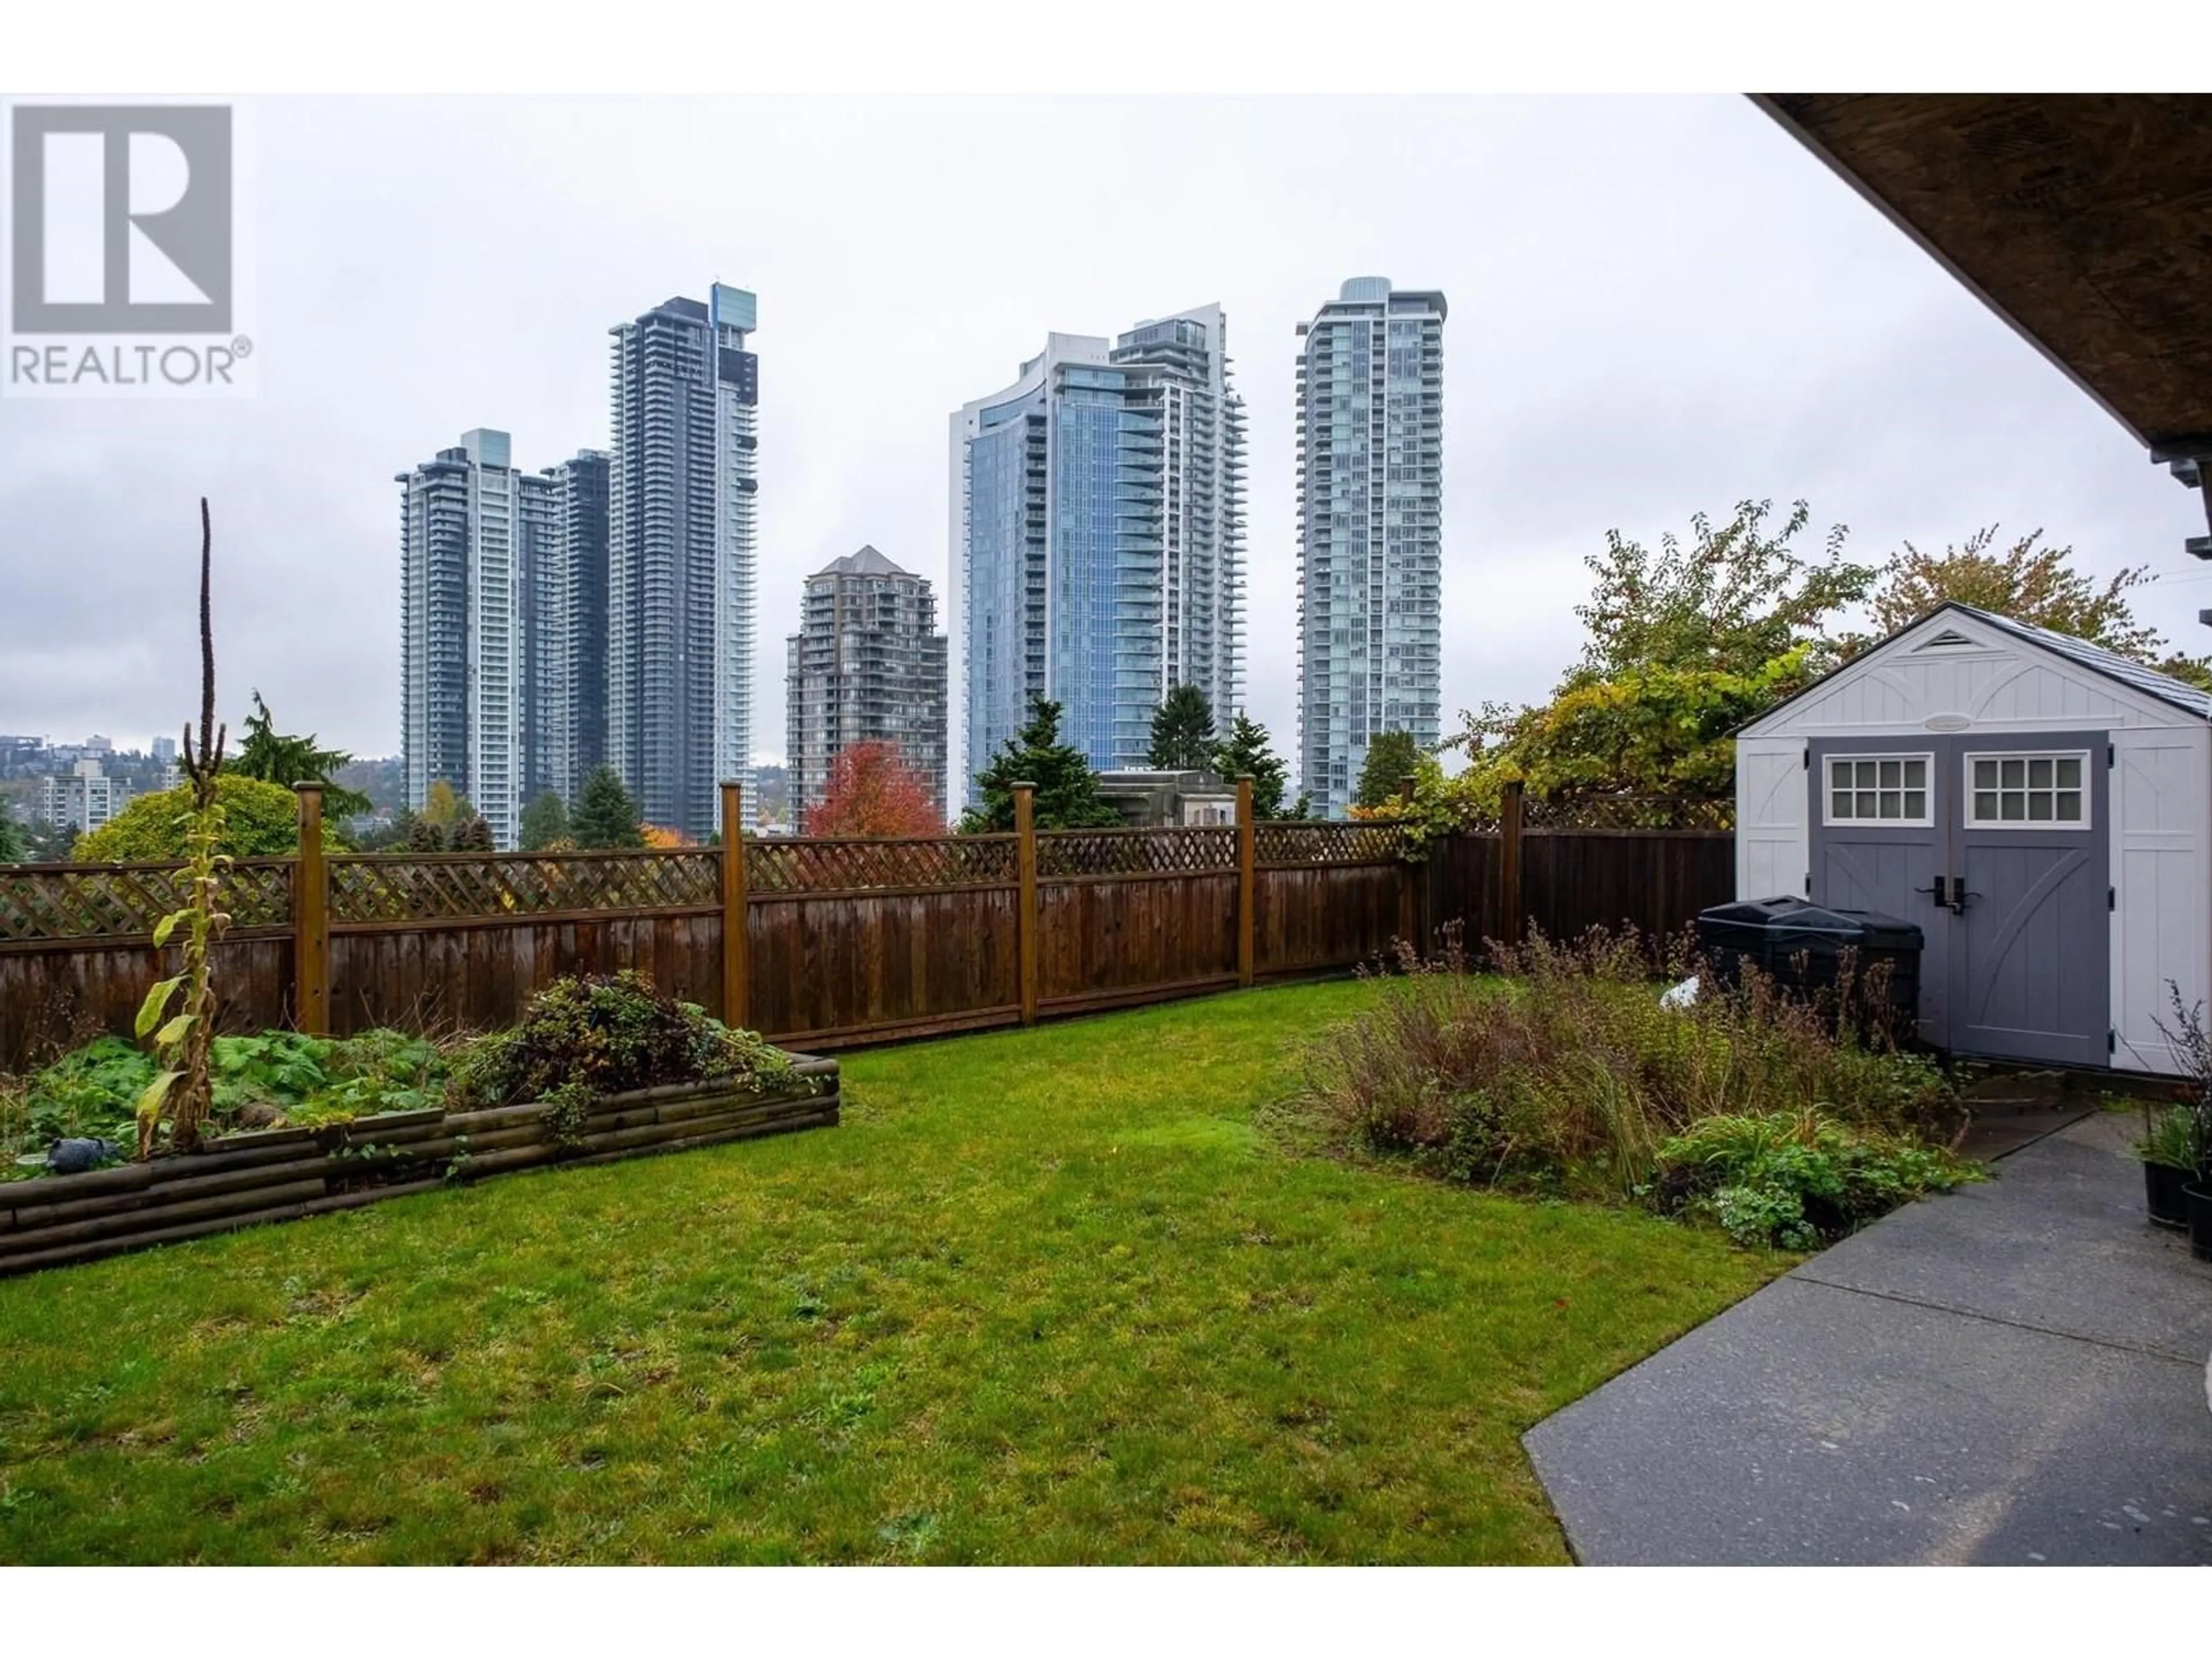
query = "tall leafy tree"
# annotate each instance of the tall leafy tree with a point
(258, 820)
(544, 821)
(1248, 750)
(278, 758)
(1066, 789)
(442, 804)
(1391, 757)
(872, 791)
(1685, 644)
(14, 849)
(606, 814)
(1182, 731)
(1734, 598)
(2032, 584)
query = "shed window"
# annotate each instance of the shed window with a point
(2034, 791)
(1878, 789)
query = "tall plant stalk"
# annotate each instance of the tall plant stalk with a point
(183, 1090)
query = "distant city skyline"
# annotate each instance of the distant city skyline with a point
(1589, 319)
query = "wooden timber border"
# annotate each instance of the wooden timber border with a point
(280, 1175)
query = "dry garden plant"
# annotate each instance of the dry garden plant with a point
(1789, 1121)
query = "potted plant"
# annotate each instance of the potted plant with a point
(2168, 1151)
(2192, 1046)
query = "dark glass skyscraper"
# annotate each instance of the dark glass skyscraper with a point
(681, 572)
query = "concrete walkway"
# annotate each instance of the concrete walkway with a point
(2013, 1373)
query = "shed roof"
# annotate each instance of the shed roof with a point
(2142, 680)
(2095, 657)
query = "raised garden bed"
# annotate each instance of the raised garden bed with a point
(280, 1175)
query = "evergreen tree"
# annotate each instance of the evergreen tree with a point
(1066, 789)
(1248, 752)
(277, 758)
(469, 835)
(1182, 731)
(606, 815)
(48, 843)
(13, 849)
(1390, 757)
(543, 820)
(424, 836)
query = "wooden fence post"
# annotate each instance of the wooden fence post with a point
(1248, 917)
(311, 930)
(1511, 897)
(736, 965)
(1415, 911)
(1025, 921)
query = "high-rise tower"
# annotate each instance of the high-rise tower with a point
(1371, 552)
(683, 554)
(868, 664)
(462, 537)
(1097, 538)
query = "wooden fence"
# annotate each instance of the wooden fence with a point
(842, 941)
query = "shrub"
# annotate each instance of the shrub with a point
(1797, 1179)
(1568, 1074)
(610, 1034)
(92, 1090)
(259, 821)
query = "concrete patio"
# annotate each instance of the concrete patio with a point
(2014, 1373)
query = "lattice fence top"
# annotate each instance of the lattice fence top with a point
(1280, 843)
(1628, 812)
(123, 901)
(1136, 852)
(829, 867)
(437, 887)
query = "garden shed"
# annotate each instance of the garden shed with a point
(2040, 807)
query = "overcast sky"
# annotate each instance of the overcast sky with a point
(1658, 306)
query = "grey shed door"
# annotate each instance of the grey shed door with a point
(2021, 968)
(2032, 977)
(1886, 858)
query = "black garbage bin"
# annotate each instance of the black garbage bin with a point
(1801, 946)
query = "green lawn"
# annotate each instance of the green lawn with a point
(1046, 1296)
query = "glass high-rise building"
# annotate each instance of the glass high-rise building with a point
(1370, 549)
(564, 612)
(498, 625)
(1097, 539)
(462, 537)
(683, 554)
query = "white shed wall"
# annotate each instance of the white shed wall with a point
(1773, 798)
(2162, 796)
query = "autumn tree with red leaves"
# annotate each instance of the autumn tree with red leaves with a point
(872, 791)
